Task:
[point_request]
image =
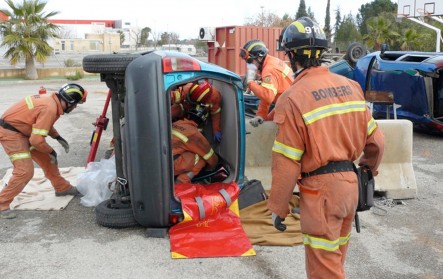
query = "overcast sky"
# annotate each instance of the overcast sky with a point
(185, 17)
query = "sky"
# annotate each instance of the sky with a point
(187, 17)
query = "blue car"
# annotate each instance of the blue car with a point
(413, 81)
(141, 116)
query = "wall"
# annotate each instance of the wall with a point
(43, 73)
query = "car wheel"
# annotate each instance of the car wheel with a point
(108, 63)
(354, 52)
(109, 214)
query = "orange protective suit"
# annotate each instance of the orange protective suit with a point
(191, 150)
(34, 117)
(180, 104)
(321, 118)
(276, 77)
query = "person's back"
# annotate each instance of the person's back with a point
(321, 95)
(191, 150)
(323, 126)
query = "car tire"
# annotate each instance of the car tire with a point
(109, 215)
(354, 52)
(108, 63)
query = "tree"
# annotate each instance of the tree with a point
(411, 39)
(122, 36)
(144, 36)
(327, 28)
(337, 20)
(301, 10)
(373, 9)
(380, 30)
(25, 34)
(268, 19)
(347, 33)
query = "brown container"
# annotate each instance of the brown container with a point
(224, 51)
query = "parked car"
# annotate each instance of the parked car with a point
(141, 84)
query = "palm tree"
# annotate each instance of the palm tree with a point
(25, 34)
(380, 30)
(411, 39)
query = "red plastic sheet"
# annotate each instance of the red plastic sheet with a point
(211, 225)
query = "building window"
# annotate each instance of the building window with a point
(63, 45)
(72, 45)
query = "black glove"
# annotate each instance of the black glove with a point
(63, 143)
(277, 222)
(53, 156)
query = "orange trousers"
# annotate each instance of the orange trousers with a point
(186, 166)
(17, 147)
(327, 208)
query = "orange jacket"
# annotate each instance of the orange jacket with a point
(186, 137)
(214, 102)
(276, 77)
(34, 116)
(322, 117)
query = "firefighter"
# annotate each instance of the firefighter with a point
(323, 126)
(191, 150)
(23, 129)
(275, 74)
(198, 93)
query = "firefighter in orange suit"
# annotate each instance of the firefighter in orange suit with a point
(323, 126)
(23, 129)
(192, 151)
(198, 93)
(275, 74)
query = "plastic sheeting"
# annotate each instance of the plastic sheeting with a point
(211, 225)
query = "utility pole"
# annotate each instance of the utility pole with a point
(262, 16)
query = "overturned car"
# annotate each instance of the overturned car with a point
(141, 84)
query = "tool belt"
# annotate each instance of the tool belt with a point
(334, 166)
(8, 126)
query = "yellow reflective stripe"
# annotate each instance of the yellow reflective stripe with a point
(179, 135)
(217, 111)
(321, 243)
(208, 155)
(177, 97)
(334, 109)
(270, 87)
(18, 156)
(286, 71)
(29, 102)
(287, 151)
(196, 159)
(255, 44)
(203, 94)
(74, 90)
(343, 240)
(40, 132)
(371, 126)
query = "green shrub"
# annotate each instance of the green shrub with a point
(71, 63)
(78, 75)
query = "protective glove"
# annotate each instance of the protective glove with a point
(218, 136)
(251, 72)
(256, 121)
(63, 143)
(53, 156)
(277, 222)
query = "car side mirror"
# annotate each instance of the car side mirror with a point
(384, 47)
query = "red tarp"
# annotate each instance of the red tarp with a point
(211, 225)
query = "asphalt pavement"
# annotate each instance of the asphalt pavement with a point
(406, 242)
